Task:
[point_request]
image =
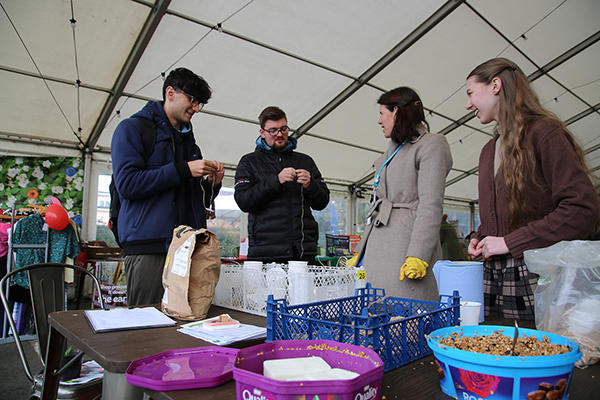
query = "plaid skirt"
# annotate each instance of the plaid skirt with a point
(508, 288)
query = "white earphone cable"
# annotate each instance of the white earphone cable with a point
(302, 221)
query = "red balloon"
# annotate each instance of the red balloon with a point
(57, 217)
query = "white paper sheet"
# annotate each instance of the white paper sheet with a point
(222, 336)
(122, 318)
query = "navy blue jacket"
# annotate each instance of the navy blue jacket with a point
(280, 221)
(157, 194)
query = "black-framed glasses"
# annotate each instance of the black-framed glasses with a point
(273, 131)
(193, 101)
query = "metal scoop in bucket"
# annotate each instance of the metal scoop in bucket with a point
(515, 336)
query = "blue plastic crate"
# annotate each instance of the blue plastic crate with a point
(393, 327)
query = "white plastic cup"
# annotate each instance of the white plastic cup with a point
(276, 282)
(469, 312)
(253, 265)
(298, 266)
(254, 292)
(300, 282)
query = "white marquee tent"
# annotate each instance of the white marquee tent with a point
(69, 70)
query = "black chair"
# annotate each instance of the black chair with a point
(47, 285)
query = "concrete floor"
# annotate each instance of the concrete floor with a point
(14, 384)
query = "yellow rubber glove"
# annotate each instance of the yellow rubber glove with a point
(413, 268)
(352, 261)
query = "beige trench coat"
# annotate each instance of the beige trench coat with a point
(405, 220)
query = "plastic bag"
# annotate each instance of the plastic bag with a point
(567, 297)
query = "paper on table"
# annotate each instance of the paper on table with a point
(227, 336)
(222, 336)
(122, 318)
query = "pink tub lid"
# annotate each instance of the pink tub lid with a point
(192, 368)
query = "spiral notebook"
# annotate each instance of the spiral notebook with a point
(121, 318)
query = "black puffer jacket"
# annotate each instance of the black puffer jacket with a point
(279, 216)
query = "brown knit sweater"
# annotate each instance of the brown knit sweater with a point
(564, 205)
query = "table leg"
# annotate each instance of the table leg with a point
(116, 387)
(54, 356)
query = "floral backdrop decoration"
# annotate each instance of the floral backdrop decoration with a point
(33, 180)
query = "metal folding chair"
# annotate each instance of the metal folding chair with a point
(47, 285)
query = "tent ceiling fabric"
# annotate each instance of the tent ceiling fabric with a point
(305, 56)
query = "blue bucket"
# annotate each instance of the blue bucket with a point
(464, 276)
(473, 376)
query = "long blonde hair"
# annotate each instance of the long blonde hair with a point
(519, 108)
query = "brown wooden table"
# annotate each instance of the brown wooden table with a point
(114, 351)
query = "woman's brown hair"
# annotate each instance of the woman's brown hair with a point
(519, 108)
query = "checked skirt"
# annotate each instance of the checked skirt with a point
(508, 288)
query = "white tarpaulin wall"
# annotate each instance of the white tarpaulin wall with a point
(324, 62)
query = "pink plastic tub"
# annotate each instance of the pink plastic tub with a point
(252, 385)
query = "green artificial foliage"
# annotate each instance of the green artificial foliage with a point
(33, 180)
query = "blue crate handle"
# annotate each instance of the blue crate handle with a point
(453, 299)
(454, 302)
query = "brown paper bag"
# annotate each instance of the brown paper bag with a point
(191, 273)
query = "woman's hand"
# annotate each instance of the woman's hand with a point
(473, 251)
(490, 246)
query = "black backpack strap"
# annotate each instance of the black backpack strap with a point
(115, 206)
(148, 135)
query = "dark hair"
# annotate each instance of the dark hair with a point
(271, 113)
(409, 115)
(189, 82)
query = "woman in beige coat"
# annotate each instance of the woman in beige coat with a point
(401, 239)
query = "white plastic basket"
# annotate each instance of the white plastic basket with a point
(247, 290)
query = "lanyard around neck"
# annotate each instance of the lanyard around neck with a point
(386, 162)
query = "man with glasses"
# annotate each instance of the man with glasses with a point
(162, 180)
(277, 187)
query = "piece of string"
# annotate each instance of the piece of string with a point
(212, 192)
(302, 221)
